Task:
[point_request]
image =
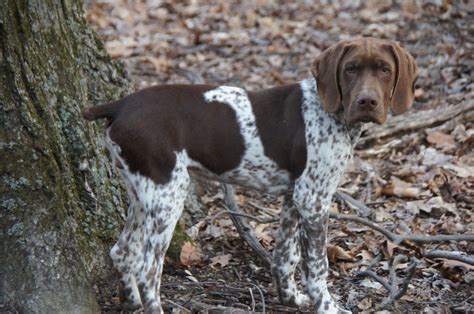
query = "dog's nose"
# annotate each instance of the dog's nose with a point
(367, 102)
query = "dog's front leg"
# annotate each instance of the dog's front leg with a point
(314, 263)
(286, 257)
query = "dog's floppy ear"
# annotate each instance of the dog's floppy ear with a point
(326, 71)
(406, 75)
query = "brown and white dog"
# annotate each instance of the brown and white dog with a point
(294, 139)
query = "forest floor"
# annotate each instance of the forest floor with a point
(418, 178)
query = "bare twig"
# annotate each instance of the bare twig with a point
(396, 293)
(260, 220)
(458, 256)
(242, 228)
(375, 261)
(270, 211)
(406, 281)
(253, 300)
(363, 209)
(261, 296)
(399, 238)
(373, 275)
(395, 260)
(176, 305)
(392, 286)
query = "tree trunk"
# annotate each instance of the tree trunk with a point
(61, 204)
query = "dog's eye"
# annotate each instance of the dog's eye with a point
(386, 70)
(351, 69)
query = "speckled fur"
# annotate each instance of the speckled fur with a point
(155, 209)
(330, 145)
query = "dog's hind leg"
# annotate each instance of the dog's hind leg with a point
(125, 251)
(130, 242)
(163, 205)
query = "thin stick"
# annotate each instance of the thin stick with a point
(418, 121)
(397, 259)
(242, 228)
(458, 256)
(260, 220)
(406, 281)
(369, 273)
(398, 238)
(410, 272)
(363, 210)
(177, 305)
(267, 210)
(261, 296)
(253, 300)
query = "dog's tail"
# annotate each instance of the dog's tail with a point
(109, 111)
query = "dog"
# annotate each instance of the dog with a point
(294, 140)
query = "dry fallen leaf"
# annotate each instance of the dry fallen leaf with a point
(368, 283)
(436, 206)
(401, 188)
(190, 254)
(440, 140)
(337, 253)
(366, 255)
(419, 93)
(449, 263)
(365, 304)
(265, 234)
(462, 172)
(222, 260)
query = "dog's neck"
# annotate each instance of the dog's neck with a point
(354, 131)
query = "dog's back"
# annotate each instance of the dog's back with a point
(230, 135)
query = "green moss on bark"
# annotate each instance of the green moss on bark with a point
(61, 204)
(179, 238)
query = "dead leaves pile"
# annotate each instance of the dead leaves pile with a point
(422, 184)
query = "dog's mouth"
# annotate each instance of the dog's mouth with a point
(364, 119)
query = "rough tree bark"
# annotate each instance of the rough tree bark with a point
(61, 205)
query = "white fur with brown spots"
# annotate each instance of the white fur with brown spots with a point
(155, 208)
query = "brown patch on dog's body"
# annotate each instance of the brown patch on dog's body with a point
(281, 126)
(154, 123)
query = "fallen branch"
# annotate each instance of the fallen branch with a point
(373, 275)
(261, 296)
(233, 211)
(242, 228)
(363, 209)
(257, 219)
(392, 286)
(410, 272)
(409, 123)
(458, 256)
(396, 293)
(399, 238)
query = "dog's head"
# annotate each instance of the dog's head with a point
(366, 76)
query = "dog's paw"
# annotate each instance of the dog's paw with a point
(130, 306)
(296, 299)
(302, 300)
(330, 307)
